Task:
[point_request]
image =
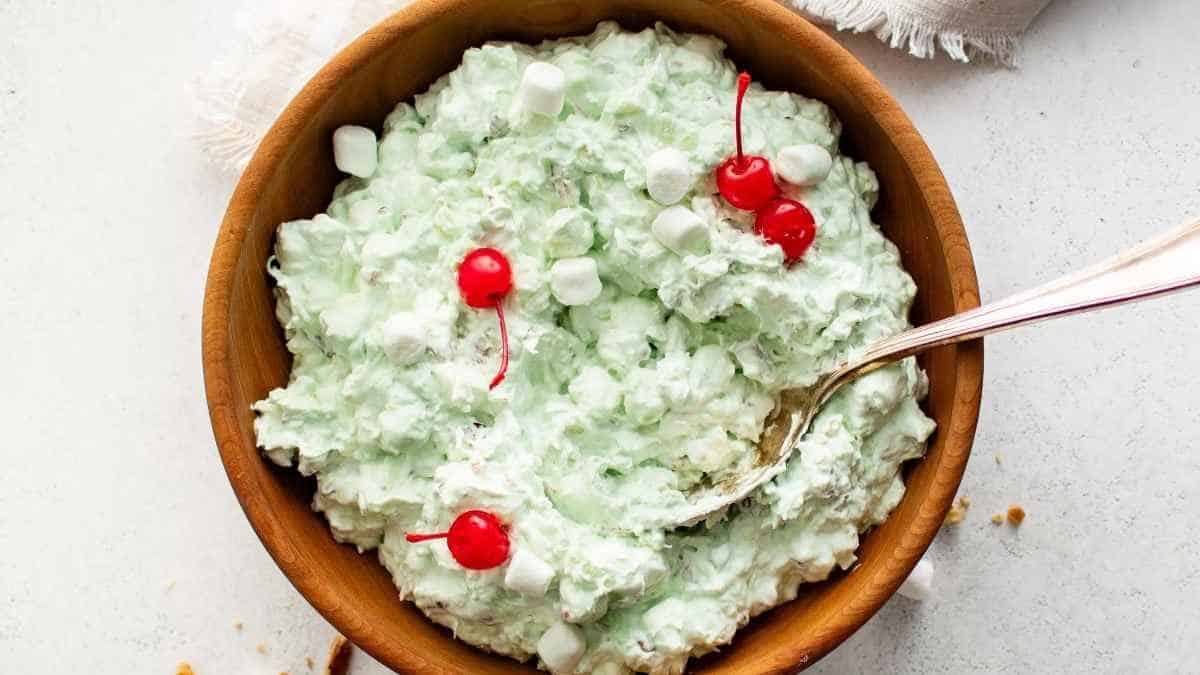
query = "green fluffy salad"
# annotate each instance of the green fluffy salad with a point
(645, 359)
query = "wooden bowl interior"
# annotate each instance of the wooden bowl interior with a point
(293, 177)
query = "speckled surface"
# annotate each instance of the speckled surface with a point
(112, 489)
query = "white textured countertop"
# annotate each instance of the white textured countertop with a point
(124, 551)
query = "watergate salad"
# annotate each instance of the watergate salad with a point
(562, 290)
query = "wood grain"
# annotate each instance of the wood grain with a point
(292, 176)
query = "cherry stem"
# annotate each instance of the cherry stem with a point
(416, 538)
(503, 344)
(743, 85)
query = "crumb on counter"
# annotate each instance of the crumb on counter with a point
(958, 511)
(170, 584)
(237, 625)
(997, 518)
(338, 662)
(1016, 514)
(996, 457)
(261, 648)
(184, 669)
(309, 663)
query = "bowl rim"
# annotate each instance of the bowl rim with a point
(274, 148)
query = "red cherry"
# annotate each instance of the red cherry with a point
(745, 181)
(789, 224)
(476, 539)
(484, 279)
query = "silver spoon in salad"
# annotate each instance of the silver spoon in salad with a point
(1164, 264)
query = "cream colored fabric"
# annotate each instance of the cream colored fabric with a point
(278, 44)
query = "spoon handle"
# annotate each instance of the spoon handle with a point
(1167, 263)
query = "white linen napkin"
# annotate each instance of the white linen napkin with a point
(281, 43)
(960, 27)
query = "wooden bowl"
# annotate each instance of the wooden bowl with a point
(292, 176)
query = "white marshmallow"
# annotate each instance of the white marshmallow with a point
(681, 230)
(528, 573)
(575, 281)
(355, 150)
(543, 89)
(803, 164)
(561, 647)
(919, 584)
(668, 176)
(403, 337)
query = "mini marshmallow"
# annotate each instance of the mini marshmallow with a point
(681, 230)
(561, 647)
(668, 176)
(528, 573)
(803, 164)
(355, 151)
(575, 281)
(403, 337)
(543, 89)
(919, 584)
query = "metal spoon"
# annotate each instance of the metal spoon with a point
(1167, 263)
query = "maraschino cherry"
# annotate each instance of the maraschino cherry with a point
(789, 224)
(484, 279)
(745, 181)
(476, 539)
